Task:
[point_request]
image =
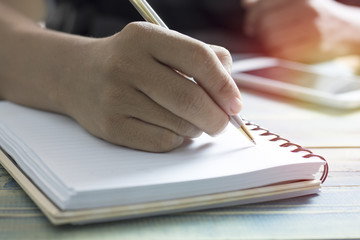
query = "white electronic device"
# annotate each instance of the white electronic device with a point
(298, 81)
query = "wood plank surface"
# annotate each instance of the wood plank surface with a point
(333, 214)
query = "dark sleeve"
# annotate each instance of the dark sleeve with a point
(106, 17)
(90, 17)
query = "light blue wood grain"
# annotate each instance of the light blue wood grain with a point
(333, 214)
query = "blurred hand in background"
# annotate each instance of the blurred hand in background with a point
(304, 30)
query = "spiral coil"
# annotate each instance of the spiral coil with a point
(287, 143)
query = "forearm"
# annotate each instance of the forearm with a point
(33, 9)
(35, 63)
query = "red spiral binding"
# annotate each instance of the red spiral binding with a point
(288, 144)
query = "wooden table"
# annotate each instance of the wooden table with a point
(334, 214)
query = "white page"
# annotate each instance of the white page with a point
(84, 163)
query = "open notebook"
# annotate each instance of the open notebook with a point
(77, 178)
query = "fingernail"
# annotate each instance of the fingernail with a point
(235, 106)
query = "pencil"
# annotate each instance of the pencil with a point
(146, 11)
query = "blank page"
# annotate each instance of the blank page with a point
(64, 159)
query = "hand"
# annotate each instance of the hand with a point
(130, 94)
(304, 30)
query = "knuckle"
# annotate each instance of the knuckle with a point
(166, 141)
(224, 53)
(203, 54)
(110, 127)
(111, 95)
(223, 86)
(225, 57)
(134, 29)
(184, 128)
(115, 67)
(181, 127)
(139, 32)
(191, 103)
(218, 125)
(210, 66)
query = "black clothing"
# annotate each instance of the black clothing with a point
(105, 17)
(213, 21)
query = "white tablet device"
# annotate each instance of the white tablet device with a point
(297, 81)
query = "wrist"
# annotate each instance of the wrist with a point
(49, 68)
(72, 65)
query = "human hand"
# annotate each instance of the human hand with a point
(304, 30)
(129, 93)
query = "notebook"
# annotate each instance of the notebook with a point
(77, 178)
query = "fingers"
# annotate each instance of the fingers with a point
(141, 107)
(141, 97)
(131, 119)
(300, 35)
(286, 30)
(144, 136)
(198, 60)
(304, 52)
(224, 56)
(183, 98)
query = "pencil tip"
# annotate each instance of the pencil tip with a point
(253, 142)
